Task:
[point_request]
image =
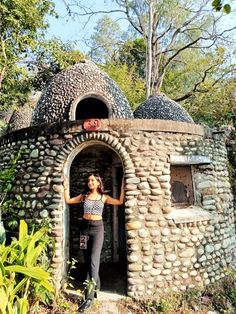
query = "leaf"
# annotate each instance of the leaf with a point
(23, 230)
(2, 270)
(20, 285)
(4, 300)
(47, 285)
(34, 272)
(217, 4)
(33, 254)
(9, 187)
(227, 8)
(22, 305)
(5, 252)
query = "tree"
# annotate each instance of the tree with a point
(169, 27)
(216, 108)
(21, 25)
(128, 81)
(49, 58)
(105, 39)
(133, 53)
(195, 72)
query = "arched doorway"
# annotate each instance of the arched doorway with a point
(100, 159)
(91, 107)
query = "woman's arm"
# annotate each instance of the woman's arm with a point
(113, 201)
(74, 200)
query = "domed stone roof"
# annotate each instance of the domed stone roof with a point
(20, 118)
(79, 92)
(161, 107)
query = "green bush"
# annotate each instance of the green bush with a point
(9, 205)
(23, 283)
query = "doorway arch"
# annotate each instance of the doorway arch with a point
(98, 157)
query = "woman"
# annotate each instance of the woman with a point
(93, 199)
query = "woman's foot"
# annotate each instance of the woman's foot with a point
(85, 305)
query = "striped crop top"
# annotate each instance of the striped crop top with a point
(93, 207)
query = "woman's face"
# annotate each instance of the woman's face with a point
(93, 183)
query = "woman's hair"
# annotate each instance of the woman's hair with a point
(100, 187)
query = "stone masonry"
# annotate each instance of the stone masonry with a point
(168, 248)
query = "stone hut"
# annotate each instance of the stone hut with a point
(176, 229)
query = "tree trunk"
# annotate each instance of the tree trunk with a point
(3, 70)
(149, 51)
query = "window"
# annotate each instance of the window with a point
(181, 186)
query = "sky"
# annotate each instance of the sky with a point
(69, 29)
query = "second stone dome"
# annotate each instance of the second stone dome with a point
(161, 107)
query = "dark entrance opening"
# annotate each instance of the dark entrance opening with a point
(105, 162)
(91, 107)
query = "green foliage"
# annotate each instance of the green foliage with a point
(105, 39)
(89, 285)
(9, 206)
(22, 24)
(128, 80)
(21, 278)
(3, 127)
(206, 80)
(71, 266)
(16, 87)
(219, 5)
(223, 294)
(215, 108)
(133, 53)
(51, 57)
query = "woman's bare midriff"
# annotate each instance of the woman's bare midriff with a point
(92, 217)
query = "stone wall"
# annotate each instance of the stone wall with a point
(167, 247)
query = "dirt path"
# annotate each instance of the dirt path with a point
(108, 303)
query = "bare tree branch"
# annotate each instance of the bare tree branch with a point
(203, 79)
(200, 30)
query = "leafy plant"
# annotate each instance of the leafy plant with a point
(71, 267)
(22, 281)
(74, 294)
(127, 79)
(20, 32)
(9, 205)
(223, 293)
(89, 286)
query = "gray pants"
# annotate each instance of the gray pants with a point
(95, 231)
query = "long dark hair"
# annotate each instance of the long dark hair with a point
(100, 187)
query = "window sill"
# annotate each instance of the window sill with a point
(189, 214)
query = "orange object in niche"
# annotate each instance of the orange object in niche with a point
(92, 124)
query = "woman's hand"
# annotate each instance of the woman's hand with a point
(122, 183)
(74, 200)
(65, 183)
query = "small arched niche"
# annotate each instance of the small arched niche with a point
(91, 107)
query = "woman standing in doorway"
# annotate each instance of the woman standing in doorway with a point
(93, 199)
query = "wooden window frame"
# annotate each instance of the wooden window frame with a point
(184, 175)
